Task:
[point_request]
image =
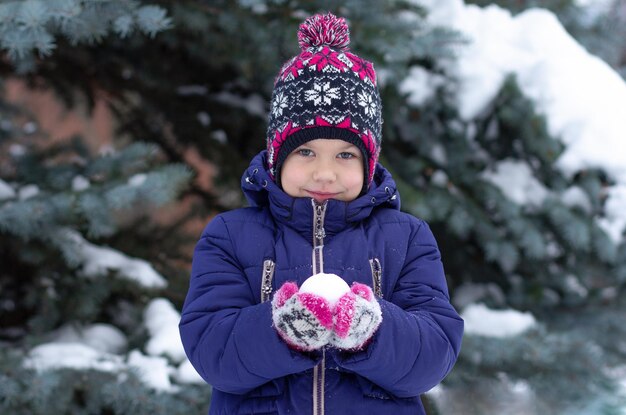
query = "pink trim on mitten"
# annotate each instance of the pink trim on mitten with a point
(357, 317)
(303, 320)
(344, 310)
(362, 291)
(284, 293)
(319, 307)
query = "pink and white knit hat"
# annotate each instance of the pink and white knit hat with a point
(325, 92)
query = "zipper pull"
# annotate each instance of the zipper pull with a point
(377, 277)
(266, 280)
(319, 231)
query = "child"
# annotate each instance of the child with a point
(321, 203)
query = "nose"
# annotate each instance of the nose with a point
(324, 172)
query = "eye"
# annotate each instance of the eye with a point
(346, 155)
(304, 152)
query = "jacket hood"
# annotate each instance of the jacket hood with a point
(297, 212)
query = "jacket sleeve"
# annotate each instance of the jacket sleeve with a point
(227, 336)
(420, 336)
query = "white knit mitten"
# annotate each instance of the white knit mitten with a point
(357, 316)
(303, 320)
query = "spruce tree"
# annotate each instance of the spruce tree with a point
(79, 299)
(189, 84)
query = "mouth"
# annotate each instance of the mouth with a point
(321, 195)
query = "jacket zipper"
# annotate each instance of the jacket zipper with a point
(266, 280)
(319, 212)
(377, 275)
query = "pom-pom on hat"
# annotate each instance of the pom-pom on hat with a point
(325, 92)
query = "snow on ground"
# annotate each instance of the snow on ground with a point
(482, 321)
(583, 99)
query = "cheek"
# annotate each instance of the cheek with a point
(291, 179)
(354, 181)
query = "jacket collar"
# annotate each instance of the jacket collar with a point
(297, 212)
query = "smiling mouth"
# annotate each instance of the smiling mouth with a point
(321, 195)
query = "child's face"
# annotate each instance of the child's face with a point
(324, 169)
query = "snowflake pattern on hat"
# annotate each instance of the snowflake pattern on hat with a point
(322, 94)
(323, 87)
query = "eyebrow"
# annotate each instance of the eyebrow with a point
(346, 145)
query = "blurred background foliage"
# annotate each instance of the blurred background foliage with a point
(163, 104)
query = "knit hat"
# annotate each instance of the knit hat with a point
(325, 92)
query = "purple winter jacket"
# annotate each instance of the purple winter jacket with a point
(246, 254)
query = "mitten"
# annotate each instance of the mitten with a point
(357, 317)
(303, 320)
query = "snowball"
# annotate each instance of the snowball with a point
(329, 286)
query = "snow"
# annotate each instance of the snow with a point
(17, 150)
(615, 221)
(515, 179)
(573, 285)
(104, 338)
(583, 99)
(329, 286)
(576, 197)
(482, 321)
(137, 179)
(98, 261)
(161, 319)
(220, 136)
(594, 8)
(254, 104)
(80, 183)
(506, 396)
(420, 85)
(153, 371)
(73, 356)
(187, 374)
(102, 347)
(28, 191)
(203, 118)
(6, 191)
